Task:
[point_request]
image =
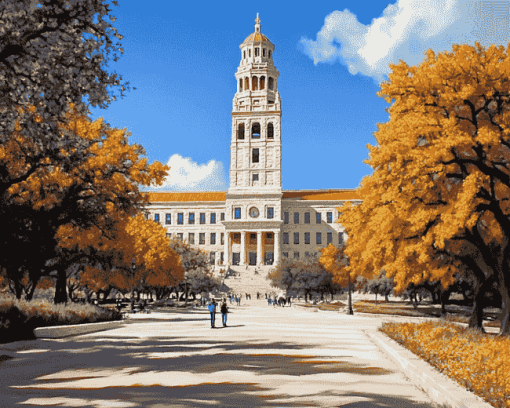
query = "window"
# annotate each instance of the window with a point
(307, 238)
(329, 217)
(237, 213)
(240, 131)
(318, 219)
(201, 238)
(270, 212)
(330, 238)
(318, 238)
(213, 218)
(222, 238)
(222, 217)
(240, 84)
(202, 218)
(262, 83)
(296, 238)
(146, 216)
(296, 218)
(269, 238)
(270, 131)
(285, 254)
(254, 83)
(257, 52)
(221, 256)
(253, 238)
(263, 52)
(168, 218)
(255, 131)
(246, 84)
(244, 54)
(212, 255)
(307, 218)
(191, 238)
(285, 237)
(213, 238)
(285, 217)
(255, 177)
(156, 217)
(249, 53)
(340, 238)
(179, 235)
(307, 254)
(180, 218)
(255, 156)
(191, 219)
(296, 255)
(271, 81)
(269, 54)
(168, 235)
(237, 238)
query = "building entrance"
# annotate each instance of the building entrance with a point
(269, 258)
(236, 257)
(253, 258)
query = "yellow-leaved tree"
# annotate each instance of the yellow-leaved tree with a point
(335, 261)
(438, 199)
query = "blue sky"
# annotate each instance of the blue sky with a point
(182, 57)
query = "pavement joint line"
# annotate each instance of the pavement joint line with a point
(435, 384)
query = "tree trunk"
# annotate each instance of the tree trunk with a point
(61, 286)
(505, 309)
(476, 319)
(386, 298)
(30, 293)
(445, 295)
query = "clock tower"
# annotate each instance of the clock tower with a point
(253, 200)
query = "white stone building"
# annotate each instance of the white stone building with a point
(255, 222)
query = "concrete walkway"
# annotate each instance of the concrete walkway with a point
(266, 357)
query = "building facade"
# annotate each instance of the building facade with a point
(255, 222)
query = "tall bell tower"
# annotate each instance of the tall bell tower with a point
(256, 148)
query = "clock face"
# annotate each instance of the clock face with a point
(254, 213)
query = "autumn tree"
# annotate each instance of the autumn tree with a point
(379, 285)
(437, 200)
(335, 262)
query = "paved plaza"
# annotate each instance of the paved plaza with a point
(266, 357)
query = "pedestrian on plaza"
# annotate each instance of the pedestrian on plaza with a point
(231, 298)
(274, 301)
(224, 312)
(266, 295)
(289, 301)
(212, 310)
(258, 295)
(268, 301)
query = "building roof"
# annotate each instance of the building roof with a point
(207, 196)
(256, 37)
(322, 195)
(187, 196)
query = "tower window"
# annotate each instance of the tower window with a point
(240, 85)
(262, 82)
(246, 84)
(269, 54)
(249, 53)
(257, 52)
(254, 83)
(255, 156)
(237, 213)
(255, 130)
(263, 52)
(240, 131)
(271, 81)
(244, 54)
(270, 212)
(255, 177)
(270, 131)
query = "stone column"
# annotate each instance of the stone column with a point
(260, 261)
(243, 248)
(226, 249)
(276, 247)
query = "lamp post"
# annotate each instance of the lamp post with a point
(133, 267)
(349, 307)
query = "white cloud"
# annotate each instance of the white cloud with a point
(405, 31)
(187, 175)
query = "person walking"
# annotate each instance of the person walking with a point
(224, 311)
(268, 301)
(212, 310)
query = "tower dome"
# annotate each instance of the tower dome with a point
(257, 35)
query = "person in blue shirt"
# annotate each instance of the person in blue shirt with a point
(212, 310)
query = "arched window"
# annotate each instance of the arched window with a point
(244, 54)
(246, 84)
(270, 131)
(254, 83)
(240, 131)
(255, 130)
(240, 84)
(249, 53)
(262, 82)
(270, 83)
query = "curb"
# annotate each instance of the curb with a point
(440, 388)
(56, 332)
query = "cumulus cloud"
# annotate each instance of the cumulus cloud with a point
(405, 31)
(187, 175)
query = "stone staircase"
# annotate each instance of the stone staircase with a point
(251, 279)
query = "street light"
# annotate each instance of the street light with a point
(133, 267)
(349, 307)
